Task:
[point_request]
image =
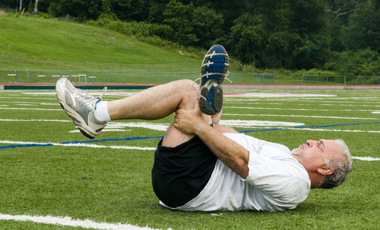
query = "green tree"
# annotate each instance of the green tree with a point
(281, 34)
(363, 62)
(155, 12)
(248, 39)
(127, 10)
(208, 26)
(10, 4)
(80, 9)
(364, 27)
(179, 18)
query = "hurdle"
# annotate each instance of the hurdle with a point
(55, 76)
(12, 75)
(41, 76)
(83, 75)
(75, 76)
(92, 77)
(66, 76)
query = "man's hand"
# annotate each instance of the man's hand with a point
(188, 121)
(229, 152)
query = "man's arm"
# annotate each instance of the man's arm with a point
(215, 123)
(229, 152)
(224, 129)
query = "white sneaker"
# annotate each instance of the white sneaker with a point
(80, 106)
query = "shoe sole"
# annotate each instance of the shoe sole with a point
(211, 99)
(77, 119)
(214, 68)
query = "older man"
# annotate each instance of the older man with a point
(203, 166)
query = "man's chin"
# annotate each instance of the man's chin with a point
(296, 151)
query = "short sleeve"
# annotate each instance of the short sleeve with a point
(282, 180)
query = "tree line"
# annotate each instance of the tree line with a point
(337, 35)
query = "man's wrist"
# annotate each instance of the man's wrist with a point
(201, 127)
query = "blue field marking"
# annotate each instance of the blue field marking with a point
(159, 137)
(26, 145)
(112, 139)
(303, 127)
(82, 142)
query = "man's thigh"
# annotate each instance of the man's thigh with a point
(180, 173)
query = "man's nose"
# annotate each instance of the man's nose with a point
(311, 143)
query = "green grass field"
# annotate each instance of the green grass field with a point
(49, 44)
(54, 47)
(45, 172)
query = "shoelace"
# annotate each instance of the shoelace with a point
(225, 77)
(87, 98)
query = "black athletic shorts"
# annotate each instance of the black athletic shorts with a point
(179, 174)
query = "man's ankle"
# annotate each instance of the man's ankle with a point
(101, 112)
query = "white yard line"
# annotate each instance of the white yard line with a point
(105, 130)
(304, 116)
(32, 109)
(337, 130)
(255, 123)
(261, 95)
(138, 148)
(68, 221)
(78, 145)
(265, 95)
(366, 158)
(30, 98)
(53, 120)
(31, 103)
(324, 110)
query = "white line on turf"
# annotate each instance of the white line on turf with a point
(118, 126)
(78, 145)
(54, 120)
(147, 125)
(225, 94)
(33, 109)
(105, 130)
(26, 104)
(132, 147)
(337, 130)
(255, 123)
(68, 221)
(366, 158)
(291, 115)
(324, 110)
(30, 98)
(39, 93)
(31, 103)
(274, 95)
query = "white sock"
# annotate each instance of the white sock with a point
(101, 112)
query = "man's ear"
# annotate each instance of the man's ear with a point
(325, 170)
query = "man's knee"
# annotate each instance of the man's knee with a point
(187, 85)
(188, 89)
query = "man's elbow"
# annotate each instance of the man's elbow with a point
(242, 169)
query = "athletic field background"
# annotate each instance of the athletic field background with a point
(52, 177)
(50, 173)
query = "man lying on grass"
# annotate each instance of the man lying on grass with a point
(203, 166)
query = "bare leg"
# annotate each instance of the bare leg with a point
(156, 102)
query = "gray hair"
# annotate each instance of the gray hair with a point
(342, 166)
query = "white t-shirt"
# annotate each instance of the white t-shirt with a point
(276, 181)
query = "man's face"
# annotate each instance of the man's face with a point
(313, 154)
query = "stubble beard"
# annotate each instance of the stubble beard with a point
(298, 150)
